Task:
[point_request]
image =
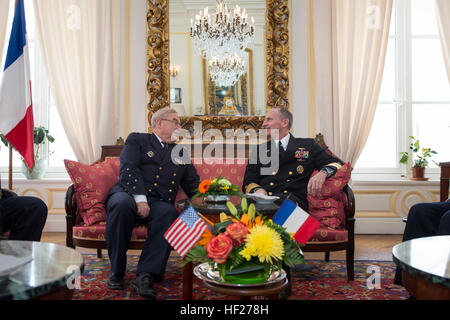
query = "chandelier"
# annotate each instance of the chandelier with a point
(227, 69)
(222, 31)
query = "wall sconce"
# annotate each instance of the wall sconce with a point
(173, 71)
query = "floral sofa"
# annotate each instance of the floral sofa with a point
(85, 208)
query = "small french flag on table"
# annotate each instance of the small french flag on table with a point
(296, 221)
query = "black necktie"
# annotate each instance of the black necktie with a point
(281, 149)
(164, 148)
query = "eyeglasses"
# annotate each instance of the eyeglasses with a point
(174, 121)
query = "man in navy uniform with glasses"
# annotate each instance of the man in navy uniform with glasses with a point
(145, 194)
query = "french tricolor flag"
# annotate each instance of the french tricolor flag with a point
(296, 221)
(16, 107)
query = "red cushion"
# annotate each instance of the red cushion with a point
(324, 233)
(328, 207)
(115, 164)
(91, 185)
(98, 230)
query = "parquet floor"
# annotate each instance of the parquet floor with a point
(367, 247)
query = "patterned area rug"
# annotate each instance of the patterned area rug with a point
(315, 280)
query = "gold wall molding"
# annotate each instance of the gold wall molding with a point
(376, 214)
(158, 77)
(397, 201)
(392, 203)
(434, 195)
(277, 53)
(50, 200)
(405, 197)
(33, 190)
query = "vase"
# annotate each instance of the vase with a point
(216, 198)
(248, 272)
(39, 169)
(418, 174)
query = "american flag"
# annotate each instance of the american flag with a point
(185, 232)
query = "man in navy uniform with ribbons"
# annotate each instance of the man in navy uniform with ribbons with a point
(148, 184)
(298, 158)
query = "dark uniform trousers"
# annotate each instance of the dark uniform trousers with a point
(146, 168)
(23, 217)
(425, 220)
(121, 220)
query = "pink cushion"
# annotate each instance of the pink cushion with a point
(325, 233)
(91, 185)
(210, 169)
(97, 232)
(328, 207)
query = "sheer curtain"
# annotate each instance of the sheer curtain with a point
(80, 42)
(4, 10)
(443, 13)
(349, 54)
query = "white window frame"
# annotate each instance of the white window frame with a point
(41, 111)
(403, 101)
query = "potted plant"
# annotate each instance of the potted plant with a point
(418, 160)
(41, 135)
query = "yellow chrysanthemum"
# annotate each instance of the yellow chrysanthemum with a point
(264, 243)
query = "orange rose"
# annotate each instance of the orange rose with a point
(237, 231)
(219, 248)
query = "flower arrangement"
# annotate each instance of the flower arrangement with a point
(245, 247)
(216, 187)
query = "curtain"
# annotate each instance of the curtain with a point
(80, 43)
(443, 14)
(4, 10)
(349, 58)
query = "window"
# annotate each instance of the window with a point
(415, 93)
(44, 107)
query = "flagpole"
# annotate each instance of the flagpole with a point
(10, 184)
(10, 168)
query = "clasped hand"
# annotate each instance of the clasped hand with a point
(143, 209)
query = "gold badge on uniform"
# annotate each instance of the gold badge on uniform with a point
(150, 154)
(300, 169)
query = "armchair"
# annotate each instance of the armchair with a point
(342, 237)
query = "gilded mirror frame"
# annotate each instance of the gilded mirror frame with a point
(277, 58)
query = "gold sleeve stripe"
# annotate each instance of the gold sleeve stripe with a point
(251, 186)
(337, 165)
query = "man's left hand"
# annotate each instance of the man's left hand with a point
(315, 183)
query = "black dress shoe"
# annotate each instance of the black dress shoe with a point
(116, 282)
(143, 286)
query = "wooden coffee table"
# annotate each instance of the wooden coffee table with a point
(46, 276)
(425, 264)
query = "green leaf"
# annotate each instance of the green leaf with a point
(196, 254)
(221, 226)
